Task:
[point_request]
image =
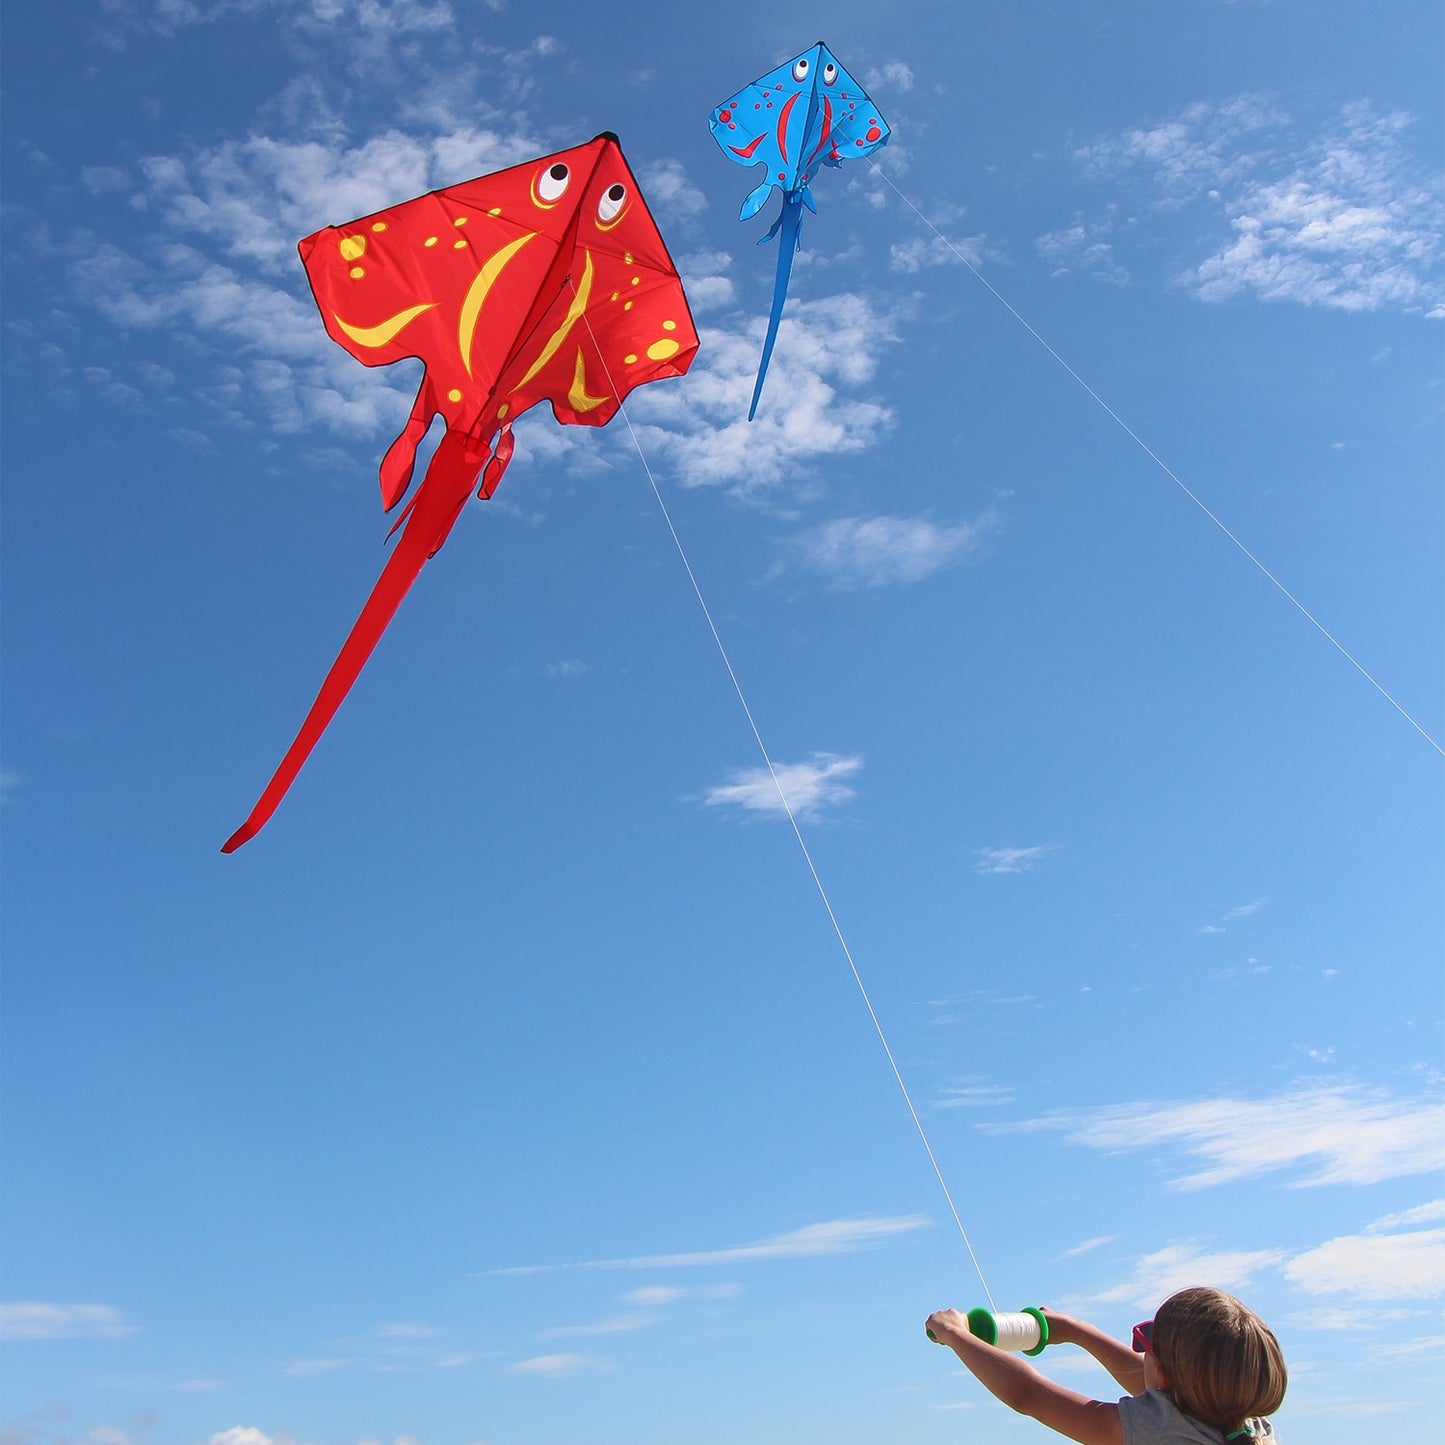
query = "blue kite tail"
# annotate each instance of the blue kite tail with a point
(789, 242)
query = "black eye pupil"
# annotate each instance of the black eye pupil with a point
(616, 193)
(558, 173)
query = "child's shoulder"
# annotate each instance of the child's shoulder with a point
(1154, 1419)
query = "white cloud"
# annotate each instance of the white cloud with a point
(1408, 1265)
(834, 1236)
(891, 75)
(1084, 246)
(876, 551)
(240, 1435)
(1420, 1214)
(814, 404)
(554, 1365)
(320, 1366)
(1090, 1245)
(408, 1330)
(974, 1096)
(36, 1320)
(911, 256)
(1178, 1266)
(1349, 219)
(1010, 860)
(1339, 1134)
(808, 787)
(669, 192)
(655, 1296)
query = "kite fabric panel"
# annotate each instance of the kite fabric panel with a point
(548, 281)
(806, 114)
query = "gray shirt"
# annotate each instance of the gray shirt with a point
(1154, 1419)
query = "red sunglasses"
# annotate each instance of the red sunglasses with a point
(1143, 1335)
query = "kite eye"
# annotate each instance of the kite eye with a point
(800, 68)
(552, 182)
(830, 73)
(610, 206)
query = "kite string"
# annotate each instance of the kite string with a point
(1159, 461)
(792, 819)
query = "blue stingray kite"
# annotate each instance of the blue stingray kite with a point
(805, 114)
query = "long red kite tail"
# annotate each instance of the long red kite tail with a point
(438, 504)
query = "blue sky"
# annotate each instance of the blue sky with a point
(512, 1085)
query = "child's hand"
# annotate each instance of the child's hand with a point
(945, 1326)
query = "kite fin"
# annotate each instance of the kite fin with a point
(400, 458)
(432, 514)
(790, 243)
(501, 455)
(754, 201)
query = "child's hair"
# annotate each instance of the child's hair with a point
(1222, 1362)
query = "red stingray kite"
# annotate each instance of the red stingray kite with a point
(545, 282)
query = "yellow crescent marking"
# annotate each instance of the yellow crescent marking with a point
(477, 293)
(579, 397)
(383, 331)
(578, 306)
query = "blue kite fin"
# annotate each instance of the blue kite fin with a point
(754, 201)
(790, 243)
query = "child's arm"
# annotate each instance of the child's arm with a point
(1014, 1381)
(1117, 1358)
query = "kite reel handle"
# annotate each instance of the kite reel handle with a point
(1026, 1329)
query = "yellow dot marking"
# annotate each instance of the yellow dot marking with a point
(430, 241)
(378, 225)
(627, 306)
(502, 411)
(661, 350)
(614, 295)
(630, 358)
(454, 395)
(637, 280)
(357, 273)
(495, 211)
(627, 258)
(459, 245)
(460, 221)
(352, 248)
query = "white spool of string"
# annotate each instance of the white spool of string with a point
(1025, 1330)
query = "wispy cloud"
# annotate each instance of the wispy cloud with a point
(240, 1435)
(1089, 1245)
(1348, 217)
(1408, 1264)
(1336, 1134)
(1084, 246)
(834, 1236)
(859, 552)
(37, 1320)
(828, 349)
(821, 782)
(555, 1365)
(1011, 860)
(1177, 1266)
(974, 1096)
